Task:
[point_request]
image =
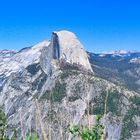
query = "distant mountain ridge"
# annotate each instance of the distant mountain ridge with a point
(55, 84)
(120, 52)
(121, 68)
(123, 65)
(6, 53)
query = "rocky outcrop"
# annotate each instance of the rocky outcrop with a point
(47, 88)
(121, 68)
(64, 47)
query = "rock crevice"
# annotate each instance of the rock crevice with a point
(64, 46)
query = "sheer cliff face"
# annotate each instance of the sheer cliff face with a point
(46, 89)
(64, 46)
(72, 50)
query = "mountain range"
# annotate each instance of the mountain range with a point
(47, 88)
(120, 67)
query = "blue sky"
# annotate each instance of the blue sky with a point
(101, 25)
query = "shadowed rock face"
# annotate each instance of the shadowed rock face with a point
(64, 46)
(36, 92)
(56, 46)
(122, 69)
(72, 50)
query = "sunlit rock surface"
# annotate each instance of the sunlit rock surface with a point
(46, 88)
(65, 46)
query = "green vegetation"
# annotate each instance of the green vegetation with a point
(57, 93)
(73, 98)
(113, 99)
(77, 87)
(66, 73)
(113, 103)
(68, 66)
(129, 124)
(95, 133)
(39, 82)
(135, 100)
(14, 136)
(4, 127)
(76, 90)
(33, 137)
(99, 105)
(33, 69)
(111, 69)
